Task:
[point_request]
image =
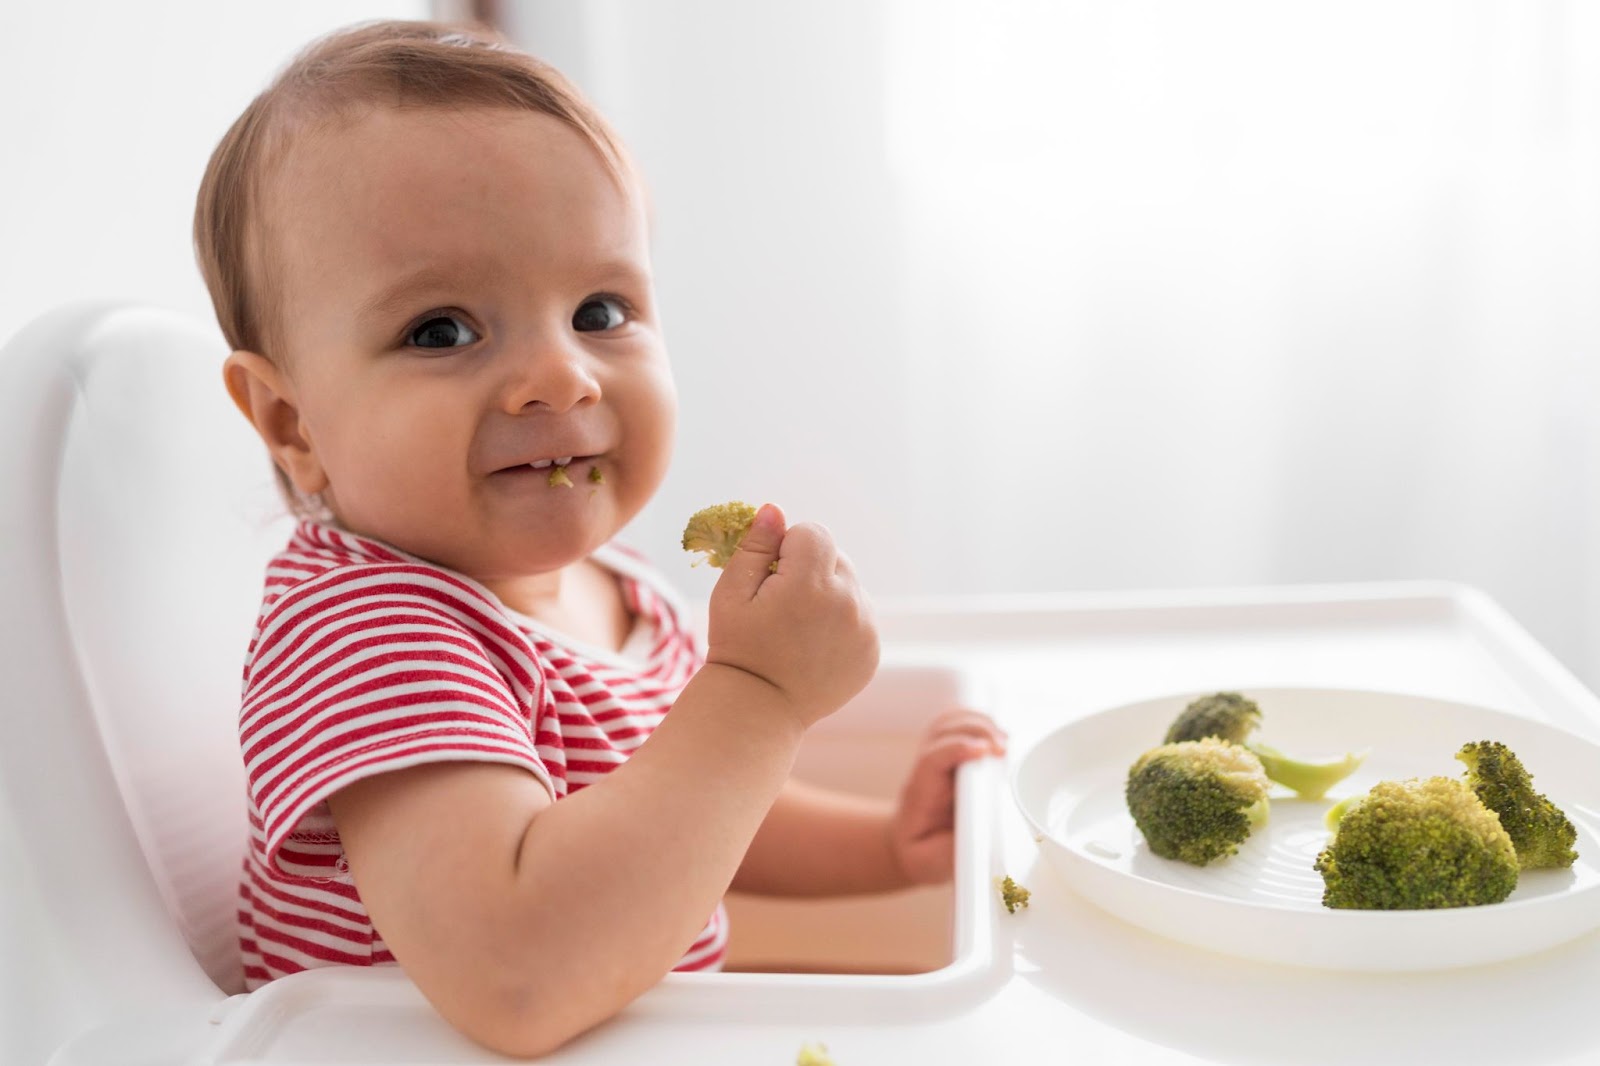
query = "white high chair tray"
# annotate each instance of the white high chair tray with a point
(1062, 980)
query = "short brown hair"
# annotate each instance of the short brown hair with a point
(395, 63)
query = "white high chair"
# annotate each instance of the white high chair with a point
(138, 514)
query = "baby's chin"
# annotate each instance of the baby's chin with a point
(511, 552)
(519, 551)
(495, 557)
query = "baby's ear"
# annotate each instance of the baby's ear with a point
(265, 396)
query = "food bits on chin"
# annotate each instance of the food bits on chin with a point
(717, 530)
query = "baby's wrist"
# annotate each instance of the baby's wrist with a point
(756, 698)
(900, 873)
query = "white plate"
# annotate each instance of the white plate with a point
(1265, 902)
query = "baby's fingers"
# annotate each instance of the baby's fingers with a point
(948, 751)
(973, 725)
(752, 561)
(929, 795)
(808, 549)
(843, 567)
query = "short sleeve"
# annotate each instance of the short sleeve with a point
(367, 669)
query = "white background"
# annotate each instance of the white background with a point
(1015, 297)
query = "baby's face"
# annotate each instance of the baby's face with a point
(466, 299)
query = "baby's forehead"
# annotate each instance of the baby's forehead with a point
(372, 189)
(335, 148)
(381, 157)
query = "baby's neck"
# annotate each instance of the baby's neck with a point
(583, 601)
(535, 594)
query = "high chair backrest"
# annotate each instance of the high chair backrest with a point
(137, 512)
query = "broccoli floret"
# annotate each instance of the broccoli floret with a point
(717, 531)
(558, 477)
(1539, 830)
(1012, 894)
(1417, 844)
(1224, 714)
(1234, 718)
(1197, 800)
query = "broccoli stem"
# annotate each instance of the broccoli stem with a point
(1311, 780)
(1336, 813)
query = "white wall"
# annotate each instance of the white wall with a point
(1032, 296)
(108, 113)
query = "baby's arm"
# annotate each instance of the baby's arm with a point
(526, 921)
(818, 842)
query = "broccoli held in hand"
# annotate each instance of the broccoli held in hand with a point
(1539, 830)
(1418, 844)
(1234, 718)
(1197, 800)
(717, 531)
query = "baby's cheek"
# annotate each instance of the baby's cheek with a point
(390, 466)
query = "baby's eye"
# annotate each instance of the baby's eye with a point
(443, 331)
(599, 313)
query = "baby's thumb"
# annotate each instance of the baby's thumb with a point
(752, 561)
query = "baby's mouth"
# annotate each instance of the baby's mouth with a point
(559, 471)
(546, 464)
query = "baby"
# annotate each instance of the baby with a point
(429, 256)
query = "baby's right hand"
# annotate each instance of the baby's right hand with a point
(805, 627)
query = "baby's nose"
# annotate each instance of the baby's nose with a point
(553, 373)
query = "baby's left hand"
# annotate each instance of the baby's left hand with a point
(922, 835)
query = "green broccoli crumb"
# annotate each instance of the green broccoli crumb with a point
(595, 476)
(1234, 718)
(1417, 844)
(814, 1055)
(1197, 800)
(1012, 895)
(559, 478)
(1539, 830)
(717, 531)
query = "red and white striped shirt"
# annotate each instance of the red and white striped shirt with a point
(366, 659)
